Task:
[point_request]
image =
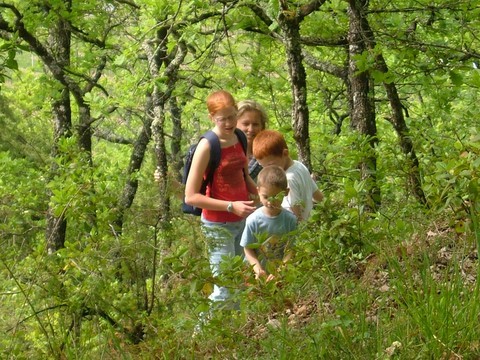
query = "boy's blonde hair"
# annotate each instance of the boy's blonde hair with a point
(272, 175)
(268, 143)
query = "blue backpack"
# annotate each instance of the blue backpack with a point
(215, 153)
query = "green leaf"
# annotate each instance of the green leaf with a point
(456, 78)
(120, 60)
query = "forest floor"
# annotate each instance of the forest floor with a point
(444, 248)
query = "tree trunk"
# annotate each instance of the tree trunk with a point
(57, 225)
(158, 124)
(60, 43)
(398, 121)
(361, 94)
(158, 57)
(177, 134)
(290, 25)
(131, 186)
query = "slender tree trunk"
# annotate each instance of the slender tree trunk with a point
(177, 134)
(157, 57)
(290, 17)
(131, 186)
(158, 124)
(60, 43)
(57, 225)
(399, 124)
(160, 98)
(290, 25)
(362, 107)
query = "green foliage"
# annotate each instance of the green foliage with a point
(390, 284)
(24, 116)
(8, 59)
(22, 201)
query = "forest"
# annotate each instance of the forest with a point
(379, 99)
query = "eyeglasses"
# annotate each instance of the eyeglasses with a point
(224, 119)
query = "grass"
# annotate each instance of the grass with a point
(404, 292)
(415, 299)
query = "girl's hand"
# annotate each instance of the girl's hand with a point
(243, 208)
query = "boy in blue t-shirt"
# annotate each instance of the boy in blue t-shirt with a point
(268, 224)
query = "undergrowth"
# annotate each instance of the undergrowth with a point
(397, 283)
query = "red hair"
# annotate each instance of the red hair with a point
(219, 100)
(268, 143)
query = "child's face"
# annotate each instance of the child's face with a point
(271, 196)
(225, 119)
(281, 161)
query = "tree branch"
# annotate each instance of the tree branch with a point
(36, 314)
(111, 137)
(129, 3)
(311, 41)
(93, 81)
(328, 68)
(260, 13)
(309, 8)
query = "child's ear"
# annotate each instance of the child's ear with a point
(285, 153)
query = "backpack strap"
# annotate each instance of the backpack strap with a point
(242, 138)
(215, 153)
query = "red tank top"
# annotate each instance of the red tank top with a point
(228, 183)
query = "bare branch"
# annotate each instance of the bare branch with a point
(36, 314)
(311, 41)
(111, 137)
(329, 68)
(261, 14)
(93, 81)
(309, 8)
(129, 3)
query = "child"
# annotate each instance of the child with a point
(270, 148)
(226, 203)
(270, 221)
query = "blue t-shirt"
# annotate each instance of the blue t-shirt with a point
(269, 231)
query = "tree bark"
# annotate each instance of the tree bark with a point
(289, 21)
(177, 133)
(160, 98)
(131, 186)
(399, 124)
(57, 225)
(298, 83)
(157, 57)
(60, 43)
(361, 97)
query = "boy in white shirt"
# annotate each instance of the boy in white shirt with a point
(270, 148)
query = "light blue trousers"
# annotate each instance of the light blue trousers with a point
(223, 241)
